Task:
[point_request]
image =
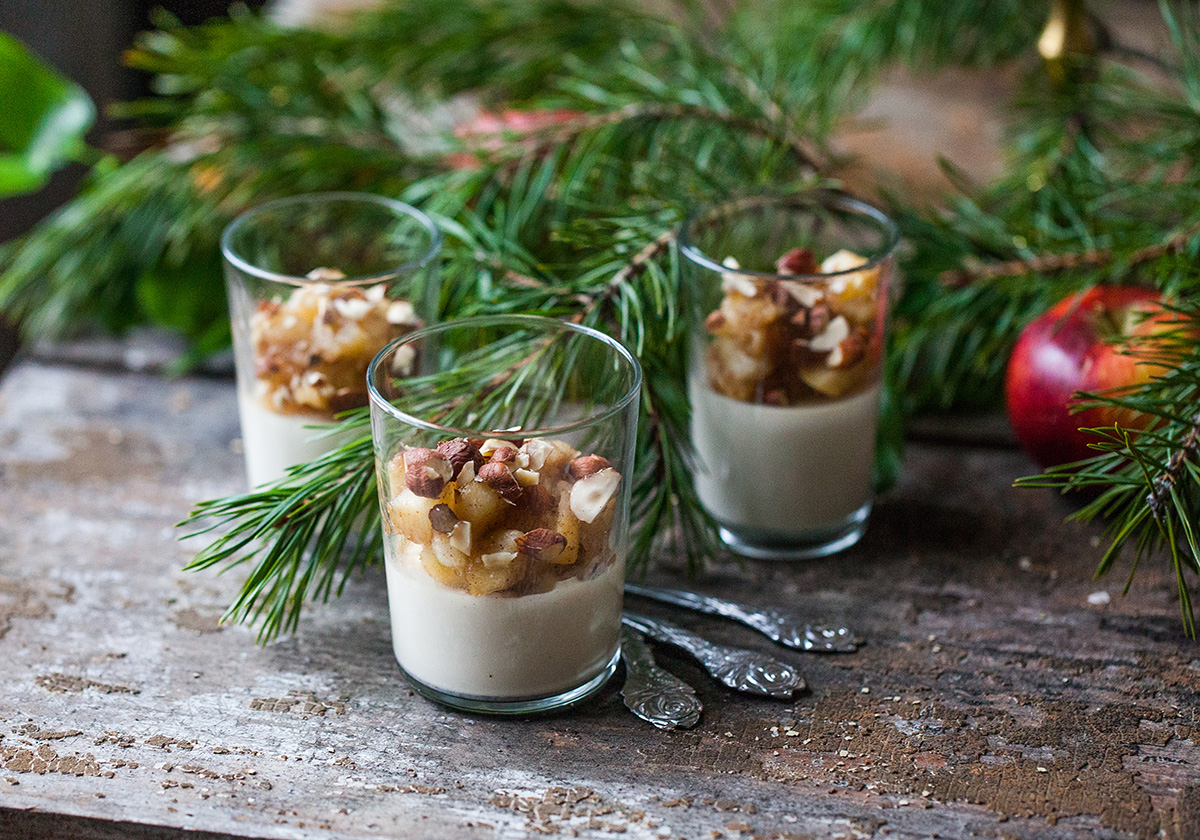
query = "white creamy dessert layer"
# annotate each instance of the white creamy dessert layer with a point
(787, 470)
(498, 647)
(272, 442)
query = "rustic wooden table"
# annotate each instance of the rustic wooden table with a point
(995, 698)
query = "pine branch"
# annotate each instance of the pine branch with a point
(569, 131)
(1164, 483)
(1176, 243)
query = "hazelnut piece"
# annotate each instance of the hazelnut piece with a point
(500, 478)
(537, 501)
(460, 537)
(459, 452)
(587, 465)
(426, 472)
(498, 559)
(849, 352)
(490, 446)
(591, 493)
(324, 273)
(715, 321)
(536, 452)
(834, 334)
(442, 518)
(797, 261)
(814, 320)
(504, 454)
(542, 544)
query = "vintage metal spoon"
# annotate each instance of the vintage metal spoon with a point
(741, 670)
(774, 624)
(655, 695)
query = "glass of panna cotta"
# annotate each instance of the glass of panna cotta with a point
(504, 466)
(789, 299)
(318, 284)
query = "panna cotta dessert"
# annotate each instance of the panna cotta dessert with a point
(784, 392)
(310, 350)
(504, 582)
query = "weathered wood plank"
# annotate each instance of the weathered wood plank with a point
(993, 699)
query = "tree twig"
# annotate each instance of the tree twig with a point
(979, 272)
(564, 132)
(1188, 449)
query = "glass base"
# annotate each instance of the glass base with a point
(518, 706)
(819, 542)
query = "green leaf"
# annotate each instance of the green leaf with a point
(45, 118)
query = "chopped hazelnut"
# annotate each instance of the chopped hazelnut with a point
(591, 493)
(488, 447)
(804, 294)
(542, 544)
(402, 314)
(504, 455)
(814, 320)
(461, 452)
(324, 273)
(833, 335)
(498, 559)
(442, 518)
(426, 472)
(852, 348)
(797, 261)
(500, 478)
(460, 537)
(587, 465)
(535, 452)
(466, 474)
(537, 501)
(526, 478)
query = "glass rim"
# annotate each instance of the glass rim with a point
(631, 393)
(396, 206)
(837, 200)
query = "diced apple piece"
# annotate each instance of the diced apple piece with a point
(851, 294)
(733, 372)
(594, 535)
(451, 576)
(837, 382)
(408, 514)
(446, 553)
(484, 581)
(395, 473)
(567, 525)
(549, 458)
(478, 504)
(498, 565)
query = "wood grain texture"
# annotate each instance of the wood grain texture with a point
(991, 701)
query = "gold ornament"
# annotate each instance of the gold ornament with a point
(1069, 35)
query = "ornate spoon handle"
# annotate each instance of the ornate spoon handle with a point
(773, 624)
(741, 670)
(653, 694)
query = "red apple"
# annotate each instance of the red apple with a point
(1071, 348)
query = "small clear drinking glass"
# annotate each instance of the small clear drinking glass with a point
(504, 466)
(318, 284)
(790, 298)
